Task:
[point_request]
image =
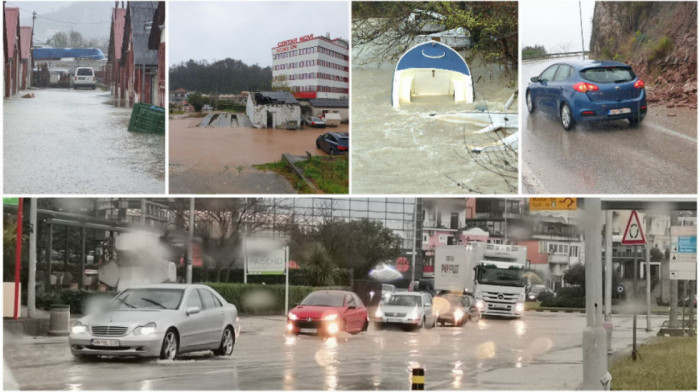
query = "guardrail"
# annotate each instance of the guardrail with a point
(555, 55)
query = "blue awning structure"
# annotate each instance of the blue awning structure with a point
(431, 69)
(62, 53)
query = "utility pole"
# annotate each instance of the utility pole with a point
(595, 363)
(583, 48)
(647, 271)
(31, 284)
(415, 231)
(31, 45)
(608, 278)
(188, 262)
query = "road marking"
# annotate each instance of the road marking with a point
(670, 132)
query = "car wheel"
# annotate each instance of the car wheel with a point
(530, 104)
(170, 345)
(228, 339)
(365, 326)
(331, 151)
(567, 120)
(318, 145)
(634, 121)
(378, 326)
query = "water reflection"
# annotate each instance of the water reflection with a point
(485, 350)
(457, 373)
(326, 357)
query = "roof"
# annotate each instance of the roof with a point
(275, 98)
(329, 103)
(158, 20)
(117, 33)
(11, 23)
(60, 53)
(138, 21)
(433, 54)
(25, 38)
(340, 134)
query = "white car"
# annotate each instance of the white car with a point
(408, 309)
(84, 77)
(162, 320)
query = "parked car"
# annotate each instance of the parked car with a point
(685, 302)
(334, 143)
(84, 77)
(315, 122)
(328, 312)
(460, 309)
(408, 309)
(589, 90)
(162, 320)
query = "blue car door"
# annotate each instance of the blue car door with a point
(546, 98)
(559, 84)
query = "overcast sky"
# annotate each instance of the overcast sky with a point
(555, 24)
(248, 31)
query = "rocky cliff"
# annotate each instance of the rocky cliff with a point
(659, 41)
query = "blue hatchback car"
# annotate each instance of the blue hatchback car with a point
(588, 91)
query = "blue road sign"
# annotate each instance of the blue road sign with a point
(687, 244)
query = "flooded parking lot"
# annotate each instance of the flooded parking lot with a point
(201, 158)
(76, 141)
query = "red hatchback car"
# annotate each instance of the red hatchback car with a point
(328, 312)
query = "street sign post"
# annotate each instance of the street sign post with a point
(553, 203)
(634, 235)
(267, 257)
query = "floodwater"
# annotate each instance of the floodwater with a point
(203, 156)
(76, 141)
(421, 147)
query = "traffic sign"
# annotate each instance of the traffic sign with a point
(552, 203)
(10, 201)
(683, 258)
(620, 289)
(402, 264)
(634, 233)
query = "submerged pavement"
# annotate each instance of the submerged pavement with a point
(76, 142)
(542, 351)
(659, 156)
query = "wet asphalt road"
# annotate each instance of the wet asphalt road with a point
(76, 141)
(660, 156)
(541, 351)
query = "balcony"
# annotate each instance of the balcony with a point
(558, 258)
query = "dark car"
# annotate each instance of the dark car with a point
(328, 312)
(588, 90)
(334, 143)
(456, 309)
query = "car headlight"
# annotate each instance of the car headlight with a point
(414, 314)
(145, 330)
(519, 307)
(330, 317)
(79, 328)
(459, 314)
(378, 313)
(292, 316)
(480, 305)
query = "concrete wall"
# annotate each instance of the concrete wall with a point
(344, 112)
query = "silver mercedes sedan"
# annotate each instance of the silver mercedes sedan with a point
(161, 320)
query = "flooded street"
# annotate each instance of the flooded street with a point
(541, 351)
(659, 156)
(219, 160)
(419, 148)
(76, 141)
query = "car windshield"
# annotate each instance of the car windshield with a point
(404, 300)
(500, 276)
(147, 299)
(324, 299)
(84, 72)
(315, 119)
(454, 300)
(608, 74)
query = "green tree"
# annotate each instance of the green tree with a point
(58, 40)
(576, 275)
(197, 101)
(318, 268)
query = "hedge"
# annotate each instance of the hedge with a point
(260, 298)
(77, 299)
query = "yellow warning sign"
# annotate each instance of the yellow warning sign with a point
(552, 203)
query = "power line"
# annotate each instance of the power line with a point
(59, 21)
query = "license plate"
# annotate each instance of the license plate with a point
(105, 342)
(394, 320)
(308, 330)
(496, 306)
(615, 112)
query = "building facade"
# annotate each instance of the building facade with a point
(312, 67)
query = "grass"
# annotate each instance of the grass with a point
(532, 305)
(329, 174)
(666, 364)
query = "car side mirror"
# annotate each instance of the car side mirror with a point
(535, 79)
(192, 310)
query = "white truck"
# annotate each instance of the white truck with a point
(493, 273)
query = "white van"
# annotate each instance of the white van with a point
(84, 77)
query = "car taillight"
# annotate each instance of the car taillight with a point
(342, 148)
(639, 84)
(585, 87)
